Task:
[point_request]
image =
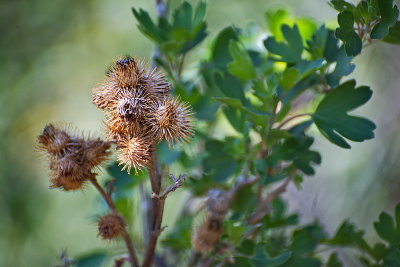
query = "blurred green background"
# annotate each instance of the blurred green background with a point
(53, 53)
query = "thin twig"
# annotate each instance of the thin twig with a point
(292, 118)
(125, 234)
(158, 209)
(177, 183)
(263, 206)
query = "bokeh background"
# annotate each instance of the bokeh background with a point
(53, 52)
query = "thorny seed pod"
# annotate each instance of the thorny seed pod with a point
(126, 72)
(133, 104)
(134, 152)
(207, 235)
(71, 158)
(128, 76)
(111, 226)
(171, 120)
(218, 203)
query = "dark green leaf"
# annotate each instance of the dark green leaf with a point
(334, 261)
(386, 229)
(389, 15)
(346, 33)
(343, 68)
(261, 259)
(393, 37)
(289, 51)
(333, 121)
(220, 51)
(241, 66)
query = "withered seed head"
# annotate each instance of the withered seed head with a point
(71, 158)
(207, 235)
(125, 72)
(133, 104)
(171, 120)
(111, 226)
(134, 152)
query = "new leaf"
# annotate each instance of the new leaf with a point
(332, 119)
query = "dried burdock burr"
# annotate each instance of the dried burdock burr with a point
(134, 152)
(128, 75)
(139, 111)
(207, 235)
(111, 226)
(71, 158)
(171, 120)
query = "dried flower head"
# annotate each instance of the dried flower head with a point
(111, 226)
(126, 72)
(207, 235)
(134, 152)
(71, 158)
(171, 120)
(129, 79)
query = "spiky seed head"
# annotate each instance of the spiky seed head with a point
(120, 128)
(68, 183)
(171, 120)
(134, 152)
(71, 162)
(111, 226)
(207, 235)
(53, 140)
(133, 104)
(125, 72)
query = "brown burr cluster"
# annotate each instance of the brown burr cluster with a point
(72, 158)
(111, 226)
(140, 111)
(210, 230)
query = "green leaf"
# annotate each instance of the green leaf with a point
(393, 37)
(347, 235)
(346, 33)
(229, 85)
(343, 67)
(179, 237)
(289, 51)
(389, 15)
(219, 163)
(306, 239)
(307, 67)
(147, 26)
(332, 119)
(386, 229)
(298, 151)
(261, 259)
(334, 261)
(241, 66)
(220, 52)
(236, 103)
(341, 5)
(289, 78)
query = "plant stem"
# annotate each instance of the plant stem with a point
(158, 209)
(292, 118)
(125, 234)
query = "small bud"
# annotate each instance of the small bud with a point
(111, 226)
